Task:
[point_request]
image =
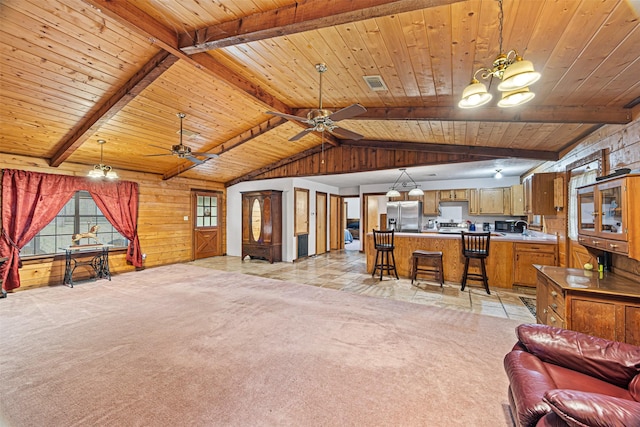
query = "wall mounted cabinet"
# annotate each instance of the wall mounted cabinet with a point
(431, 203)
(538, 194)
(454, 195)
(608, 217)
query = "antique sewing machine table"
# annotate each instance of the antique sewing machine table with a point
(95, 257)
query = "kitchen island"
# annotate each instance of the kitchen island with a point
(502, 265)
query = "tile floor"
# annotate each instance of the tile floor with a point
(345, 270)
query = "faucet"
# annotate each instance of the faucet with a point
(524, 229)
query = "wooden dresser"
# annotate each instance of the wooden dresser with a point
(606, 306)
(262, 225)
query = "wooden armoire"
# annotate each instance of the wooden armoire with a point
(262, 225)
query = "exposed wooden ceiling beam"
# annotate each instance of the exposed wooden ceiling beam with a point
(595, 115)
(136, 84)
(296, 18)
(492, 152)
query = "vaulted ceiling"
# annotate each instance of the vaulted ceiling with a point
(76, 71)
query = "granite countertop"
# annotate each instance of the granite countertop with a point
(591, 281)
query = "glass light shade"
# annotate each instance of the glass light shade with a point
(96, 172)
(112, 174)
(515, 98)
(518, 75)
(498, 175)
(474, 95)
(416, 192)
(393, 193)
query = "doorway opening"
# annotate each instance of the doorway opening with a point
(353, 227)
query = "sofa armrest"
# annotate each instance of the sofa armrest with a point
(611, 361)
(528, 381)
(578, 408)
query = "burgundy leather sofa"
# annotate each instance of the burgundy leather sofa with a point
(559, 377)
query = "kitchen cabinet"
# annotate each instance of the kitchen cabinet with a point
(474, 205)
(491, 201)
(558, 193)
(538, 194)
(526, 255)
(454, 195)
(517, 200)
(431, 203)
(262, 225)
(606, 305)
(607, 216)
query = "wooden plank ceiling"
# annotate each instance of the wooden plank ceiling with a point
(76, 71)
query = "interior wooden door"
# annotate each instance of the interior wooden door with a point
(336, 231)
(206, 230)
(321, 223)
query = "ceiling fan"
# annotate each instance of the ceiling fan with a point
(322, 120)
(181, 150)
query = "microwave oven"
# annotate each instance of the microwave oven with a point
(509, 226)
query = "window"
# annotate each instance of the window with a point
(207, 211)
(76, 217)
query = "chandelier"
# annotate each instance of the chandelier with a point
(515, 74)
(101, 170)
(415, 191)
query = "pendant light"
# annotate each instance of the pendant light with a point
(415, 191)
(101, 170)
(515, 74)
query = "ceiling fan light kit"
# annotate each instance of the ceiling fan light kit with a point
(515, 73)
(415, 191)
(322, 120)
(101, 170)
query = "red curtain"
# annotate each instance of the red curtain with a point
(31, 200)
(118, 202)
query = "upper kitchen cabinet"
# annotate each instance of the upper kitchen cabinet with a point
(517, 200)
(454, 195)
(538, 194)
(608, 215)
(491, 201)
(431, 202)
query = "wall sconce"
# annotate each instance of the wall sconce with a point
(415, 191)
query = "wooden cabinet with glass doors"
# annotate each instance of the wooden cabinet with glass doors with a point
(608, 216)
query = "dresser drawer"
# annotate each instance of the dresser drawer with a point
(554, 319)
(555, 299)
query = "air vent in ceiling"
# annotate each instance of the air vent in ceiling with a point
(375, 83)
(188, 133)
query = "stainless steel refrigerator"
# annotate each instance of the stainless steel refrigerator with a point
(404, 216)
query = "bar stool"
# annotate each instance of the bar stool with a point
(383, 244)
(475, 246)
(427, 262)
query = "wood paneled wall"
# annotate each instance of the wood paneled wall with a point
(165, 237)
(622, 144)
(348, 159)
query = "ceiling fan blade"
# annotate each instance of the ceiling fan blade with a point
(209, 155)
(346, 134)
(194, 159)
(347, 112)
(301, 134)
(288, 116)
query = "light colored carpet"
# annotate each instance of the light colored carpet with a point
(185, 345)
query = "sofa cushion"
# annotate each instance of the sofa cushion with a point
(569, 379)
(579, 408)
(614, 362)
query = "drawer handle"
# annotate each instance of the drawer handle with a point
(554, 294)
(552, 319)
(554, 306)
(544, 311)
(596, 242)
(611, 245)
